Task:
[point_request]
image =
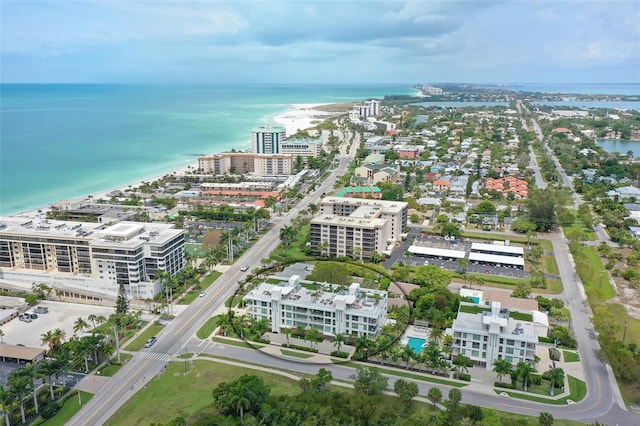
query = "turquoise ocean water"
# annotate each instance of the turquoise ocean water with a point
(70, 141)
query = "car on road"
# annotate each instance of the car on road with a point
(244, 268)
(150, 342)
(203, 293)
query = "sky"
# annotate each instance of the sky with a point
(297, 41)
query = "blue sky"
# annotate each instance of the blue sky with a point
(319, 42)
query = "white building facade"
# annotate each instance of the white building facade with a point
(485, 334)
(288, 304)
(89, 257)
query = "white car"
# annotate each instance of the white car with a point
(203, 293)
(244, 268)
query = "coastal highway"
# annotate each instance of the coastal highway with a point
(150, 362)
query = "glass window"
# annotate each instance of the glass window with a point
(476, 337)
(511, 342)
(475, 353)
(510, 350)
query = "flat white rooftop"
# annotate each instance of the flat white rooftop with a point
(432, 251)
(494, 258)
(497, 248)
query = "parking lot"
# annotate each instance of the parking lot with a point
(61, 315)
(462, 244)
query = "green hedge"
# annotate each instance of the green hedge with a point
(340, 354)
(301, 348)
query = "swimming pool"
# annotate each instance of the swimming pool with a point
(416, 343)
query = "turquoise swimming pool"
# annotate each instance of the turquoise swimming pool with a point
(416, 343)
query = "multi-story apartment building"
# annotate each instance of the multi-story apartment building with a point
(267, 139)
(357, 227)
(247, 163)
(301, 147)
(75, 257)
(485, 334)
(287, 304)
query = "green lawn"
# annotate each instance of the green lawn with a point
(194, 248)
(521, 316)
(174, 394)
(113, 368)
(589, 235)
(550, 265)
(473, 309)
(233, 301)
(138, 342)
(68, 409)
(294, 250)
(570, 356)
(207, 328)
(239, 343)
(415, 376)
(594, 280)
(295, 354)
(578, 390)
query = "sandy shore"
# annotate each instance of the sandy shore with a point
(297, 117)
(301, 117)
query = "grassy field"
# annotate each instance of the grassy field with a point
(589, 235)
(294, 250)
(112, 369)
(138, 342)
(239, 343)
(295, 354)
(195, 292)
(550, 265)
(577, 392)
(174, 394)
(570, 356)
(233, 301)
(594, 280)
(207, 328)
(194, 248)
(68, 409)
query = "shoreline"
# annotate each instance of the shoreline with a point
(295, 118)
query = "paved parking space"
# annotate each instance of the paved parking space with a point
(61, 315)
(6, 368)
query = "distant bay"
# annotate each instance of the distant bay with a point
(620, 145)
(68, 141)
(450, 104)
(592, 104)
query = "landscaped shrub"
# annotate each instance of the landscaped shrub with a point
(340, 354)
(49, 410)
(301, 348)
(261, 340)
(462, 376)
(504, 385)
(535, 379)
(543, 339)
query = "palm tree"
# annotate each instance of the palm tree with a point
(556, 376)
(338, 340)
(313, 335)
(6, 400)
(407, 354)
(362, 345)
(435, 334)
(64, 364)
(239, 400)
(30, 371)
(48, 369)
(19, 388)
(525, 370)
(546, 419)
(93, 318)
(502, 367)
(79, 325)
(287, 333)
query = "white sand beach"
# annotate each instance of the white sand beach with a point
(301, 117)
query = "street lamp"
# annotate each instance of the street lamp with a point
(624, 333)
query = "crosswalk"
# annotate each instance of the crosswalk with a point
(156, 356)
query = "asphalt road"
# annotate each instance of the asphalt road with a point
(150, 362)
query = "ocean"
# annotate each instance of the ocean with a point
(70, 141)
(66, 141)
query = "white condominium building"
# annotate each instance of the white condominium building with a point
(88, 258)
(485, 334)
(267, 139)
(357, 227)
(288, 304)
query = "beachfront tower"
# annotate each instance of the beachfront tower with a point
(267, 139)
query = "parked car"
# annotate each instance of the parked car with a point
(25, 318)
(150, 342)
(41, 310)
(32, 315)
